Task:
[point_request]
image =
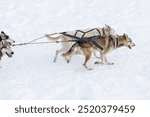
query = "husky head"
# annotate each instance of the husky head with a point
(109, 31)
(8, 52)
(4, 36)
(128, 41)
(6, 49)
(5, 45)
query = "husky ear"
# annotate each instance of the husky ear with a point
(107, 26)
(2, 32)
(125, 36)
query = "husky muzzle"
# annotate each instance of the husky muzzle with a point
(130, 46)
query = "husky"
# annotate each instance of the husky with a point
(108, 43)
(5, 45)
(6, 49)
(65, 46)
(6, 37)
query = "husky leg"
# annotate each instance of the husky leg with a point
(56, 54)
(96, 55)
(87, 54)
(70, 53)
(109, 63)
(101, 58)
(104, 59)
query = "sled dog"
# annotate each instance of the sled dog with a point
(65, 46)
(108, 43)
(5, 45)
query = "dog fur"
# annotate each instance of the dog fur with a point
(5, 45)
(65, 46)
(107, 42)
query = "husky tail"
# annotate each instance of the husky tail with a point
(53, 37)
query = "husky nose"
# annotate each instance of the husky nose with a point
(12, 52)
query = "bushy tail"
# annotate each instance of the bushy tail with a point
(53, 37)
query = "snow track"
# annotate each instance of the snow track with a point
(31, 73)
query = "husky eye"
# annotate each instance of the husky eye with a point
(129, 41)
(7, 37)
(9, 43)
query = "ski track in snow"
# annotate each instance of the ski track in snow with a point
(31, 73)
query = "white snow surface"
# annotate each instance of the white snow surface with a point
(31, 73)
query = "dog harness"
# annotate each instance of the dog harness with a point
(92, 40)
(84, 33)
(89, 39)
(115, 41)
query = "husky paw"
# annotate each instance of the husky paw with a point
(68, 60)
(89, 68)
(98, 62)
(110, 63)
(54, 60)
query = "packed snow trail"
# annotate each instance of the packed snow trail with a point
(31, 73)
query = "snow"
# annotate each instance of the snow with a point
(31, 73)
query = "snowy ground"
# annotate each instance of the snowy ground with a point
(31, 73)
